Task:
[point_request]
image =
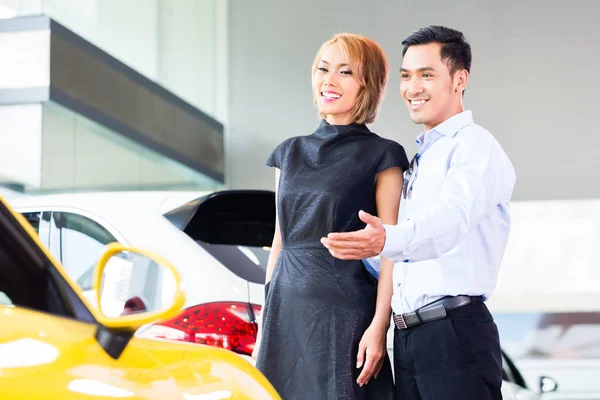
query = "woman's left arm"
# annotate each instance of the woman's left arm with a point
(372, 348)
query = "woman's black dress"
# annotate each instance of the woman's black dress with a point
(318, 307)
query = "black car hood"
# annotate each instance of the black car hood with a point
(232, 217)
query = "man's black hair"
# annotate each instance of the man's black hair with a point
(456, 51)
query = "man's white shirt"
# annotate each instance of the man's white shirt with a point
(455, 224)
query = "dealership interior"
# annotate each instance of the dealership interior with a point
(133, 140)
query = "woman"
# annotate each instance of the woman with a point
(325, 320)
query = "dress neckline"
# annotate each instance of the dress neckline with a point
(327, 130)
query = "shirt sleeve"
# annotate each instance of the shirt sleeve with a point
(393, 156)
(475, 181)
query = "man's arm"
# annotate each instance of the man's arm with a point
(472, 185)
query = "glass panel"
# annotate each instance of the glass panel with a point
(180, 44)
(79, 154)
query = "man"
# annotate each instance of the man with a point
(449, 247)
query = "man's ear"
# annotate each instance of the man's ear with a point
(461, 79)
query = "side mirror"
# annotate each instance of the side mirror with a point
(135, 287)
(547, 384)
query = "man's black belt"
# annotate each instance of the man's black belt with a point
(433, 311)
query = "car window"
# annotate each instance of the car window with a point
(82, 242)
(249, 263)
(54, 287)
(34, 219)
(25, 279)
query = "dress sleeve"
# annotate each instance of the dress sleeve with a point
(393, 156)
(278, 155)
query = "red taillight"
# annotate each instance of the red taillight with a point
(231, 325)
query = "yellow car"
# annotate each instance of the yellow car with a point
(53, 345)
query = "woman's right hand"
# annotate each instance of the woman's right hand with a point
(371, 352)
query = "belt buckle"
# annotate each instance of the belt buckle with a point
(399, 320)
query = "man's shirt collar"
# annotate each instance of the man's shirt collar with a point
(450, 126)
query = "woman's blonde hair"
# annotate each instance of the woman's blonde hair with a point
(372, 74)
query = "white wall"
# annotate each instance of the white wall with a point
(533, 81)
(21, 144)
(551, 260)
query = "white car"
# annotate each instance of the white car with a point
(217, 241)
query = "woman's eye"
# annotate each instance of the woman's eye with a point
(322, 69)
(346, 72)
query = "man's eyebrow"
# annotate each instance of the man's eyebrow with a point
(422, 69)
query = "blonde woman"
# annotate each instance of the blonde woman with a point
(325, 320)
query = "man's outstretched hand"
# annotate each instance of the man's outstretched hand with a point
(367, 242)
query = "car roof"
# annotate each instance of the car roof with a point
(103, 202)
